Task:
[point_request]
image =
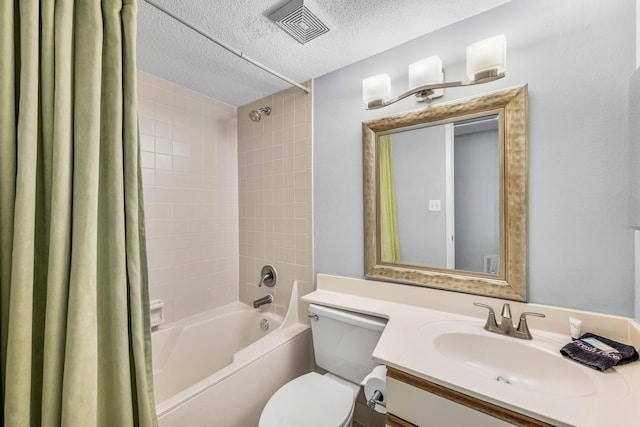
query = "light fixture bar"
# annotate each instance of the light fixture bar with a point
(486, 62)
(423, 93)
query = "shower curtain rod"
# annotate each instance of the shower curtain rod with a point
(224, 45)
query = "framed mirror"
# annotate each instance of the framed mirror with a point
(445, 191)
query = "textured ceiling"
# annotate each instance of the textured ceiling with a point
(359, 29)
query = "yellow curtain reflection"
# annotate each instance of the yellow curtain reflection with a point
(389, 242)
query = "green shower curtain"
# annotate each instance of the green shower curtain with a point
(389, 240)
(74, 331)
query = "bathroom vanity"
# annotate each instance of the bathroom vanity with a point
(444, 369)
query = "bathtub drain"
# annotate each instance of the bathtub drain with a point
(264, 324)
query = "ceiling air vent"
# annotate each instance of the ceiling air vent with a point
(301, 19)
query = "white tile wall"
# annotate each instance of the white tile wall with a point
(190, 177)
(275, 184)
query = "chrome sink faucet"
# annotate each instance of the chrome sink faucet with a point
(506, 324)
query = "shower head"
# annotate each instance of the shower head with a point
(256, 115)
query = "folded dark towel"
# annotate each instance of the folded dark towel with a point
(595, 358)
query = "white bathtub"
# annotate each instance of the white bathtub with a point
(219, 368)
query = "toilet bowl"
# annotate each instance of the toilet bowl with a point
(343, 343)
(312, 400)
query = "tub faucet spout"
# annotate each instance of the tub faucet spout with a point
(267, 299)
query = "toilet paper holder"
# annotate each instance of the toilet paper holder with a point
(375, 389)
(376, 399)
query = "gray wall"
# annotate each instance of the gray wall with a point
(634, 173)
(637, 233)
(577, 57)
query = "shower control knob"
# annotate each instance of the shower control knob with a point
(269, 276)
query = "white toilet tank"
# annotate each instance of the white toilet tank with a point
(343, 341)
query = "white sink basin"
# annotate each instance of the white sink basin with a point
(512, 362)
(529, 366)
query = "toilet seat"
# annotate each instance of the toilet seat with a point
(311, 400)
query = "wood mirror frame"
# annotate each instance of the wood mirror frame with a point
(511, 283)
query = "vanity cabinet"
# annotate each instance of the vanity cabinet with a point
(413, 401)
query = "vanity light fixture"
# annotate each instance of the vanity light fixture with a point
(486, 62)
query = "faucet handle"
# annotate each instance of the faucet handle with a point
(269, 276)
(488, 307)
(523, 328)
(491, 323)
(531, 313)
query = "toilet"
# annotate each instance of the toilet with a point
(343, 342)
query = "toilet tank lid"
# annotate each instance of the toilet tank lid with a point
(351, 317)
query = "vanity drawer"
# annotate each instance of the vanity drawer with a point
(412, 401)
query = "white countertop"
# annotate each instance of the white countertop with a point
(403, 346)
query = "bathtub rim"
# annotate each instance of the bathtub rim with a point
(197, 318)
